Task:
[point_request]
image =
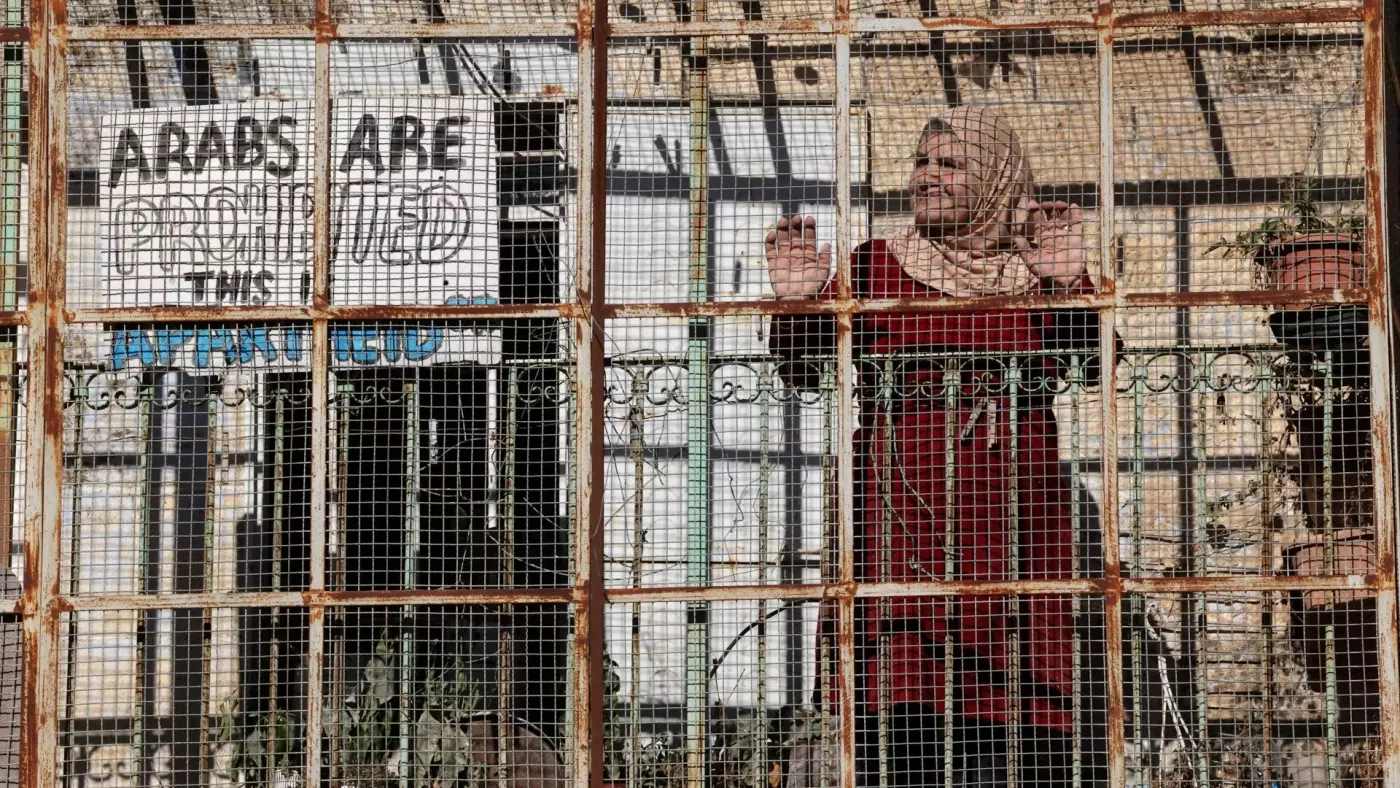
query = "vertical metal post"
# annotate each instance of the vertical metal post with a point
(1331, 702)
(826, 681)
(80, 399)
(206, 706)
(586, 711)
(279, 484)
(884, 669)
(1264, 369)
(412, 462)
(320, 399)
(1382, 385)
(1197, 618)
(764, 386)
(845, 415)
(1108, 388)
(43, 520)
(1137, 380)
(505, 492)
(1013, 636)
(1076, 387)
(637, 414)
(952, 387)
(697, 623)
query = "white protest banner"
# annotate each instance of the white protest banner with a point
(207, 206)
(212, 206)
(414, 203)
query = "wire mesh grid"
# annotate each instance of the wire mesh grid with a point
(453, 11)
(974, 690)
(189, 462)
(1201, 112)
(441, 149)
(14, 463)
(761, 709)
(1025, 88)
(178, 199)
(703, 161)
(14, 180)
(12, 683)
(1244, 452)
(961, 476)
(716, 473)
(1000, 10)
(184, 696)
(185, 12)
(453, 468)
(1255, 688)
(450, 694)
(907, 512)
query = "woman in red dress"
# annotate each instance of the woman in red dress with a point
(957, 468)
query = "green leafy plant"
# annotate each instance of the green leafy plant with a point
(440, 740)
(368, 717)
(259, 749)
(615, 723)
(1299, 214)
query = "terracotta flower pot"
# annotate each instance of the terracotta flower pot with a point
(1353, 553)
(1346, 618)
(1316, 261)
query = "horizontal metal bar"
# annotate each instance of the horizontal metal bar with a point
(460, 596)
(168, 32)
(663, 29)
(475, 596)
(1247, 17)
(522, 29)
(1086, 586)
(1244, 298)
(465, 311)
(14, 35)
(309, 31)
(300, 313)
(737, 593)
(1020, 302)
(712, 309)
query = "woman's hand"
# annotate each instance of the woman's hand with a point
(796, 267)
(1059, 234)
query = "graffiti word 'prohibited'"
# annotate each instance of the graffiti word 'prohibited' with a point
(214, 206)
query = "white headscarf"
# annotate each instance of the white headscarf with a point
(986, 257)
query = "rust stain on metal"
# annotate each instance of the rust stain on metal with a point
(1117, 712)
(1242, 17)
(175, 32)
(31, 711)
(846, 687)
(1101, 300)
(1060, 22)
(727, 593)
(316, 653)
(249, 599)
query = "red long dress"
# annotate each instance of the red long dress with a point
(911, 451)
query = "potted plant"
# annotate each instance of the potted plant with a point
(1301, 248)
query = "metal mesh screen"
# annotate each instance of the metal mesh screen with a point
(777, 394)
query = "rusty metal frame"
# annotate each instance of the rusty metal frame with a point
(46, 316)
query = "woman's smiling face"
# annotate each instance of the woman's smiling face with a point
(940, 185)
